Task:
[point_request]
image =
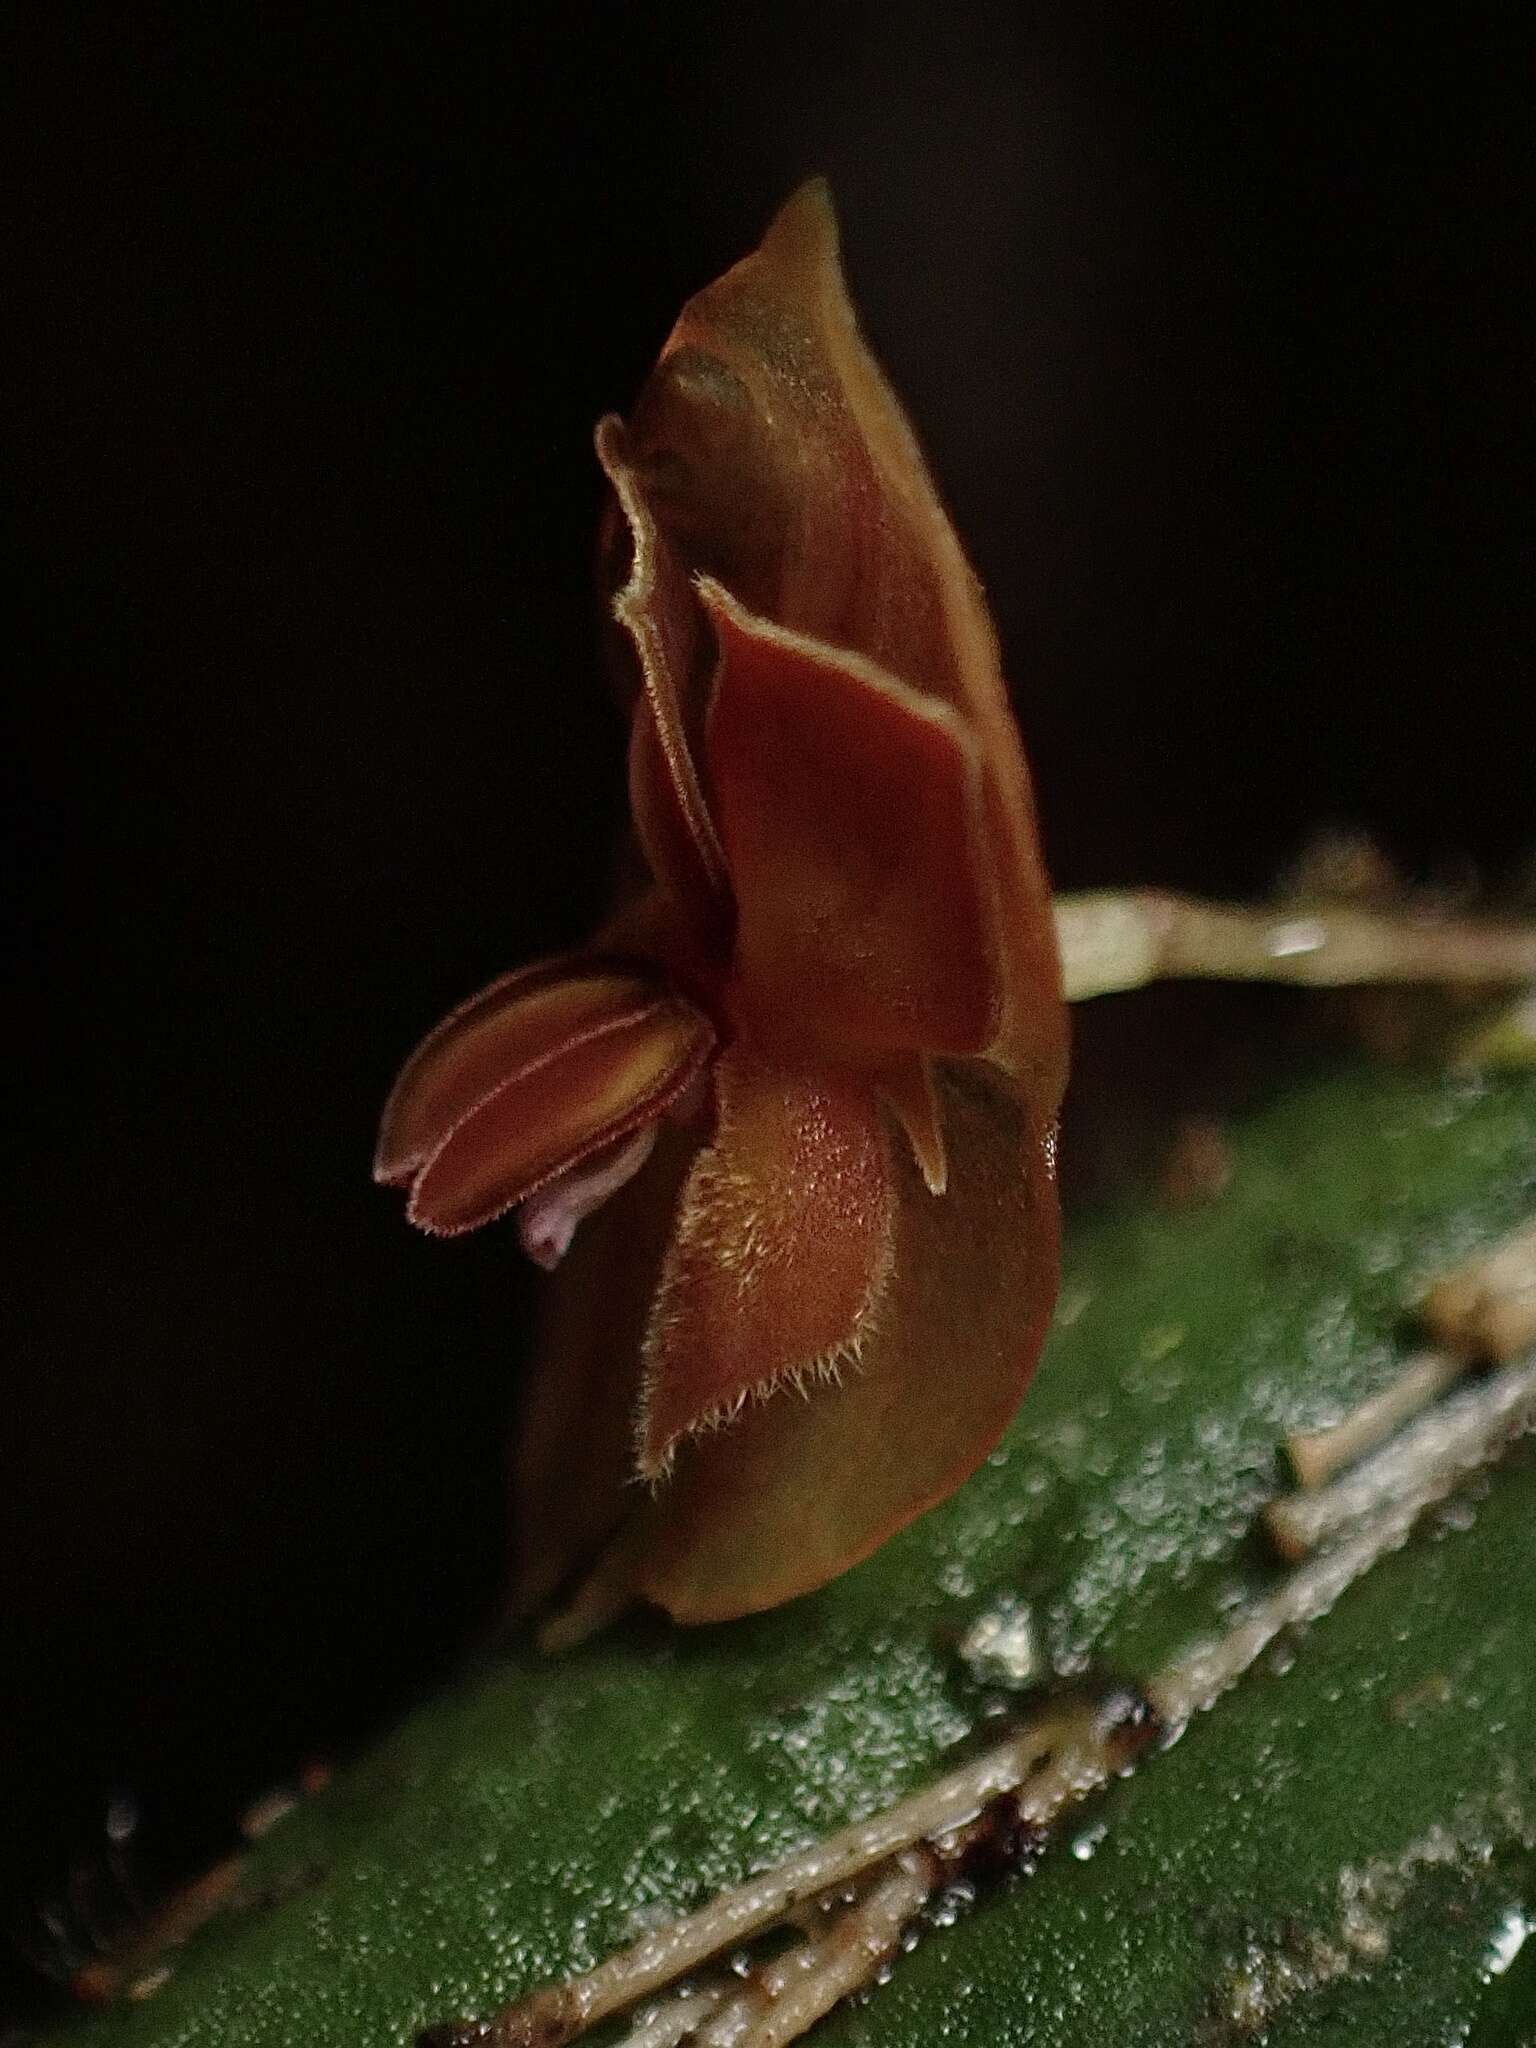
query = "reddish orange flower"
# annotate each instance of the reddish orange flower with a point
(800, 1094)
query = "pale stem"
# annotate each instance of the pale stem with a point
(1198, 1677)
(743, 2007)
(1079, 1764)
(782, 1998)
(678, 2020)
(1113, 940)
(847, 1957)
(1484, 1308)
(670, 1952)
(1317, 1454)
(1434, 1453)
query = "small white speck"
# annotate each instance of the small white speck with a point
(1296, 935)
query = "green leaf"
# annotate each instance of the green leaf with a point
(1339, 1852)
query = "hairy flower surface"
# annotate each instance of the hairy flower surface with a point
(786, 1127)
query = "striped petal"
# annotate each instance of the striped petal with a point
(476, 1046)
(540, 1072)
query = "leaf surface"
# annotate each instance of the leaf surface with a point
(1379, 1775)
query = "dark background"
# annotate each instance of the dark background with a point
(1211, 322)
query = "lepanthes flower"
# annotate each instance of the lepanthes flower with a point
(786, 1126)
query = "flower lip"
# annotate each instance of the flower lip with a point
(547, 1219)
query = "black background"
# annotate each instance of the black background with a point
(1212, 324)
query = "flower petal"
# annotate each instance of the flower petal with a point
(851, 813)
(907, 1087)
(796, 1492)
(657, 609)
(773, 456)
(573, 1458)
(537, 1083)
(548, 1220)
(477, 1045)
(780, 1254)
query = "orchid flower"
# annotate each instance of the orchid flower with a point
(787, 1125)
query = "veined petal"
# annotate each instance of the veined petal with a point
(534, 1076)
(476, 1046)
(852, 816)
(780, 1253)
(796, 1492)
